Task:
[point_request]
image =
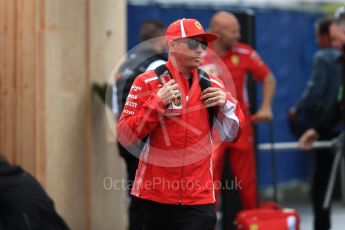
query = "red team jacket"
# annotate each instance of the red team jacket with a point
(175, 164)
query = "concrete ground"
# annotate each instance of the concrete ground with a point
(306, 214)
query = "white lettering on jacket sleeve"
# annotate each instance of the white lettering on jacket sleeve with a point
(136, 88)
(125, 111)
(230, 124)
(132, 96)
(131, 104)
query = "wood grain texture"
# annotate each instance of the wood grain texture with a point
(50, 122)
(107, 46)
(19, 60)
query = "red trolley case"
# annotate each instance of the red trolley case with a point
(269, 216)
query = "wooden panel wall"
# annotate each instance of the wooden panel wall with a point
(22, 136)
(107, 42)
(67, 76)
(50, 122)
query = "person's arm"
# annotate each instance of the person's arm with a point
(230, 120)
(143, 110)
(316, 86)
(230, 115)
(326, 121)
(265, 113)
(262, 73)
(306, 141)
(330, 116)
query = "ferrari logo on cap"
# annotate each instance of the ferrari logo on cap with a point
(235, 59)
(198, 25)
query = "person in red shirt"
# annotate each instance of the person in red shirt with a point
(231, 61)
(174, 182)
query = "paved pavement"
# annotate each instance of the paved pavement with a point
(304, 208)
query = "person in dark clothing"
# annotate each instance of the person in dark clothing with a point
(148, 55)
(24, 205)
(327, 120)
(335, 114)
(321, 89)
(318, 97)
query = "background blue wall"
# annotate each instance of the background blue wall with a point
(285, 40)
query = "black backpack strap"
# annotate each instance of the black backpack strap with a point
(205, 82)
(161, 71)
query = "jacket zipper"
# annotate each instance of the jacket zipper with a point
(187, 98)
(184, 150)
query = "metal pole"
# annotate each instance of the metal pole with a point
(342, 180)
(330, 187)
(284, 146)
(335, 166)
(274, 164)
(337, 143)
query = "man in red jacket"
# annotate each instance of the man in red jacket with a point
(231, 61)
(174, 181)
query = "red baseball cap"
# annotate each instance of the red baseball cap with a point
(186, 28)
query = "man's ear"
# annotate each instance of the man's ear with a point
(171, 46)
